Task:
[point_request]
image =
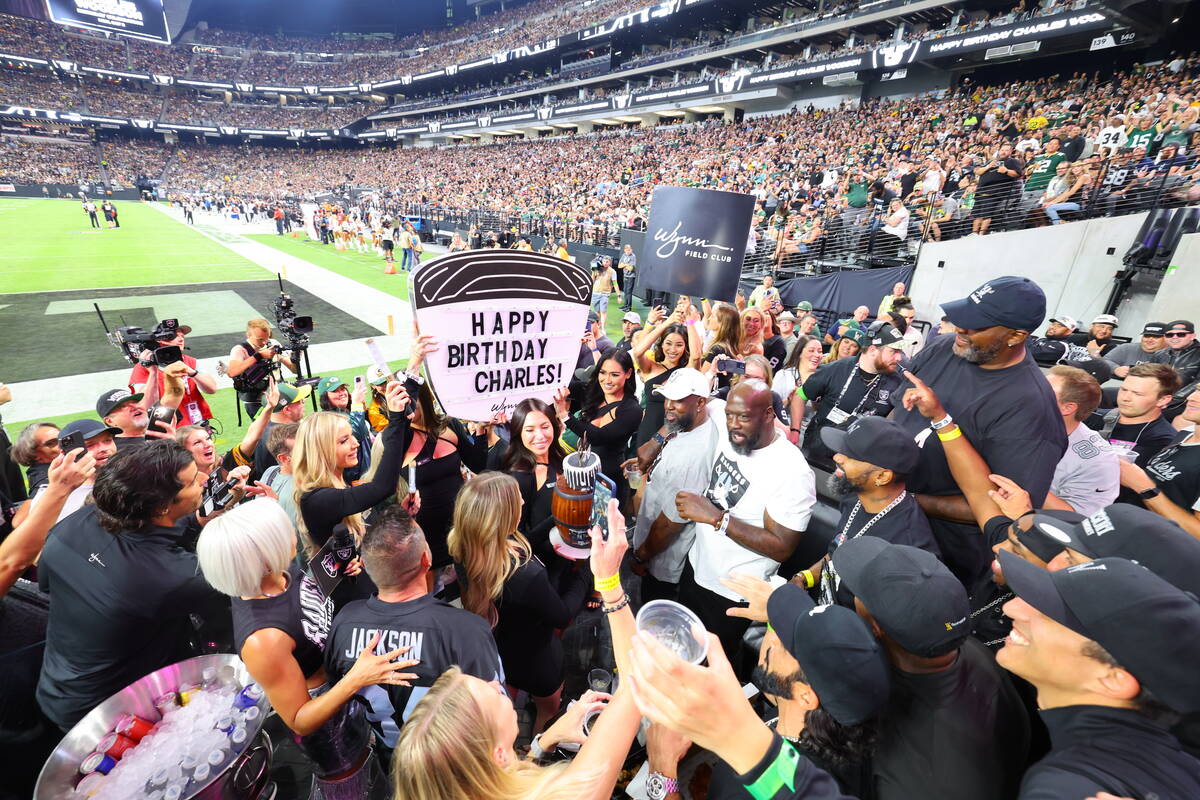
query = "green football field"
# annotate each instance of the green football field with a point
(50, 246)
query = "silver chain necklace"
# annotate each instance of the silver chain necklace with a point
(854, 514)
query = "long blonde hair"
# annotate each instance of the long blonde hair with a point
(445, 753)
(314, 466)
(485, 540)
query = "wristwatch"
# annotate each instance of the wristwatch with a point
(1148, 494)
(658, 786)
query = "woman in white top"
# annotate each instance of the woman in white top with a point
(896, 222)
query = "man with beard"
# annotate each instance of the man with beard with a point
(1098, 338)
(1131, 354)
(757, 505)
(822, 669)
(124, 410)
(992, 388)
(850, 388)
(873, 457)
(661, 537)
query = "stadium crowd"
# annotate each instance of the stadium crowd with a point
(967, 577)
(25, 159)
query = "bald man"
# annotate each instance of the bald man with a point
(758, 502)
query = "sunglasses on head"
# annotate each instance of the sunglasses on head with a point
(1177, 334)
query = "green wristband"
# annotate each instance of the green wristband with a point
(800, 393)
(782, 772)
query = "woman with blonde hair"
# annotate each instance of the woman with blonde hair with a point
(726, 327)
(280, 623)
(459, 741)
(507, 585)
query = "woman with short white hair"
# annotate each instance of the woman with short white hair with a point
(281, 620)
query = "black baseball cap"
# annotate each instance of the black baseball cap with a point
(1013, 302)
(1154, 329)
(842, 661)
(1149, 626)
(88, 427)
(885, 334)
(1047, 534)
(1186, 324)
(110, 400)
(911, 594)
(875, 440)
(1140, 535)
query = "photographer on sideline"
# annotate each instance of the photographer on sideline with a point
(251, 362)
(193, 407)
(123, 588)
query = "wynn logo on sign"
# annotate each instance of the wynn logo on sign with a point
(671, 241)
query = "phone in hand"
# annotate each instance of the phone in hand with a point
(604, 491)
(732, 365)
(72, 441)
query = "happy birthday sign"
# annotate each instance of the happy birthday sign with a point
(508, 325)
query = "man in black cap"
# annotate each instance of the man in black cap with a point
(826, 674)
(992, 387)
(1112, 651)
(954, 726)
(1182, 351)
(874, 456)
(850, 388)
(123, 410)
(1124, 356)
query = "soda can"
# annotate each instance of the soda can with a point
(89, 785)
(115, 745)
(166, 702)
(97, 762)
(187, 691)
(247, 697)
(133, 727)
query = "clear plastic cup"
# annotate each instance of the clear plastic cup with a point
(675, 627)
(599, 680)
(634, 477)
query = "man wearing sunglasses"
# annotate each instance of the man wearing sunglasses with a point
(1182, 352)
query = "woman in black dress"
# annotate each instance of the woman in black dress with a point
(609, 416)
(506, 584)
(533, 457)
(675, 344)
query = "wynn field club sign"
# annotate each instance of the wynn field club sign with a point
(507, 323)
(695, 242)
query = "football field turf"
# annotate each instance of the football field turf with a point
(50, 246)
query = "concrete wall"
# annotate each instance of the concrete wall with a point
(1074, 264)
(1179, 297)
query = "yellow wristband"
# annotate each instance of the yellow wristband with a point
(949, 436)
(605, 584)
(809, 580)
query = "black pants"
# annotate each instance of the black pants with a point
(654, 589)
(253, 401)
(94, 219)
(711, 608)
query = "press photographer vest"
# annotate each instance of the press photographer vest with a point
(254, 379)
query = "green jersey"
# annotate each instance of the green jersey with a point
(1043, 169)
(1140, 137)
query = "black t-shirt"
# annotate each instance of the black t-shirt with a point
(301, 611)
(993, 181)
(437, 634)
(906, 524)
(1012, 419)
(775, 350)
(958, 734)
(1176, 470)
(1116, 750)
(864, 395)
(123, 442)
(852, 779)
(119, 609)
(1146, 438)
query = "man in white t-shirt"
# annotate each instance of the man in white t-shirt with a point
(758, 502)
(1088, 477)
(1111, 139)
(661, 537)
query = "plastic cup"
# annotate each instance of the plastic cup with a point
(599, 680)
(675, 627)
(634, 477)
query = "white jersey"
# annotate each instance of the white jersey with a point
(1088, 477)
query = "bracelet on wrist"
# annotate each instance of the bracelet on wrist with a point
(605, 608)
(809, 579)
(950, 435)
(607, 584)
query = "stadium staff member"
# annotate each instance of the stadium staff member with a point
(122, 587)
(193, 407)
(1183, 351)
(439, 636)
(251, 362)
(995, 392)
(954, 726)
(1112, 650)
(873, 457)
(849, 388)
(1129, 354)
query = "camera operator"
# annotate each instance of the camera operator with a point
(251, 362)
(193, 408)
(123, 588)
